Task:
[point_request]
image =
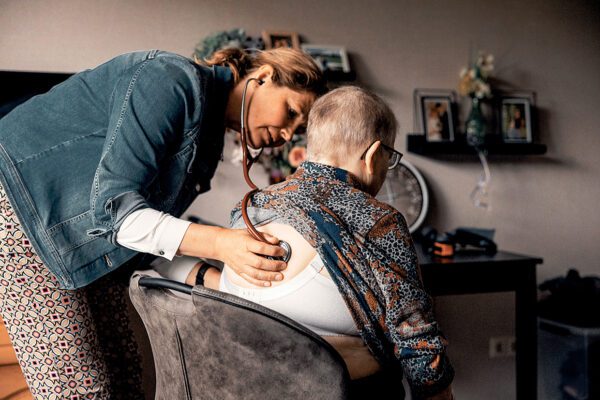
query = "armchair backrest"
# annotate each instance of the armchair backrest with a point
(213, 345)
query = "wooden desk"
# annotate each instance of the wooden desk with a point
(470, 273)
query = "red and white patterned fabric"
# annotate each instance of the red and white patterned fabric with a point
(71, 344)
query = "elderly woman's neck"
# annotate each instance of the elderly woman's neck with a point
(349, 163)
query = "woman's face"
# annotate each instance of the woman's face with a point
(275, 113)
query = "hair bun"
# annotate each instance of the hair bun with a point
(292, 68)
(236, 59)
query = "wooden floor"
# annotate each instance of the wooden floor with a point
(12, 383)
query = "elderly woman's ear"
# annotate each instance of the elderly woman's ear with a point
(370, 166)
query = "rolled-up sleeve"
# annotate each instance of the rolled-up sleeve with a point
(146, 122)
(418, 343)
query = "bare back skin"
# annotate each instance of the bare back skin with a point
(358, 359)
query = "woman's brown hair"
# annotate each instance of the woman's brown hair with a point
(291, 68)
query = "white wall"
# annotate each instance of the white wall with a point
(544, 206)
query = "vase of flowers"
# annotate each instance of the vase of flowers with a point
(474, 82)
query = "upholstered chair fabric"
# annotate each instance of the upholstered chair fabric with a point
(213, 345)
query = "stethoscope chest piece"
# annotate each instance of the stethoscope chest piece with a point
(288, 252)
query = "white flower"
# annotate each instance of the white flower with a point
(487, 90)
(480, 60)
(473, 81)
(482, 89)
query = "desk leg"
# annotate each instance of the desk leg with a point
(526, 334)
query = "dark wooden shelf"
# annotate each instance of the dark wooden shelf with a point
(416, 143)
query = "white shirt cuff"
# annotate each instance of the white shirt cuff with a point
(152, 231)
(169, 235)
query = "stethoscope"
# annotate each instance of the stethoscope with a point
(247, 161)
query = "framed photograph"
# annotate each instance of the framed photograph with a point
(418, 109)
(515, 119)
(438, 118)
(328, 58)
(274, 40)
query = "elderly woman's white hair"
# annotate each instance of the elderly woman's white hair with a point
(346, 121)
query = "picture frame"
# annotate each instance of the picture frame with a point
(515, 116)
(329, 58)
(419, 94)
(437, 118)
(275, 39)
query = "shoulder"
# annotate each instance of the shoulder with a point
(169, 84)
(368, 214)
(161, 72)
(176, 70)
(386, 219)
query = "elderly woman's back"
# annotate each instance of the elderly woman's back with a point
(308, 295)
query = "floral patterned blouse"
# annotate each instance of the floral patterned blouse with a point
(367, 249)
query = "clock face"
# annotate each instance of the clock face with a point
(405, 190)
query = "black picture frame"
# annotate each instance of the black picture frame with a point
(329, 58)
(515, 119)
(419, 120)
(437, 114)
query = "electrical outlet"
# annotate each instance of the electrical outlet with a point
(511, 346)
(502, 346)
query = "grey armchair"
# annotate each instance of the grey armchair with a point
(212, 345)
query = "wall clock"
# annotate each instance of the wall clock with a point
(406, 190)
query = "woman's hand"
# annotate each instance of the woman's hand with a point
(238, 249)
(246, 256)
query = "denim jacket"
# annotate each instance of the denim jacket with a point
(144, 129)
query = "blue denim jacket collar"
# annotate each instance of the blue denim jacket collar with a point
(223, 85)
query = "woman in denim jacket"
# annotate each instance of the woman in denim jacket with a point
(94, 174)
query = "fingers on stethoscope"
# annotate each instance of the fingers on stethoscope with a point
(266, 249)
(266, 264)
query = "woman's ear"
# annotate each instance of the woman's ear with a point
(370, 157)
(264, 73)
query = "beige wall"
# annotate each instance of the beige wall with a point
(545, 206)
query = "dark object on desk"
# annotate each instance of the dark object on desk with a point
(459, 240)
(571, 300)
(434, 243)
(443, 246)
(478, 239)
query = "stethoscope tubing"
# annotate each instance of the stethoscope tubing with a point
(247, 162)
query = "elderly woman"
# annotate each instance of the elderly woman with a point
(353, 276)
